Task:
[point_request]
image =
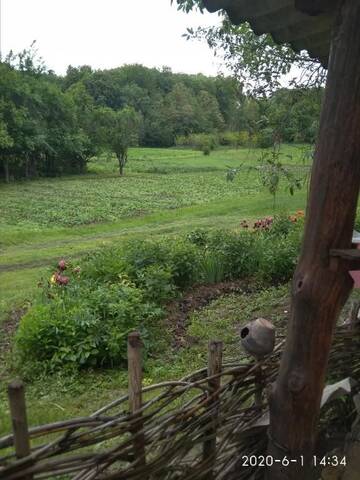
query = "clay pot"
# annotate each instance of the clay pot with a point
(258, 337)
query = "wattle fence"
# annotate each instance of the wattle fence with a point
(199, 427)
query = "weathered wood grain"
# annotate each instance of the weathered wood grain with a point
(319, 290)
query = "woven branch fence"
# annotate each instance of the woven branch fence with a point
(198, 427)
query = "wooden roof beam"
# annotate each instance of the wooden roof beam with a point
(300, 30)
(245, 8)
(316, 7)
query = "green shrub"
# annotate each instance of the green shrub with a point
(278, 260)
(157, 283)
(238, 251)
(103, 265)
(184, 261)
(198, 237)
(265, 138)
(206, 149)
(84, 325)
(229, 139)
(199, 141)
(234, 139)
(280, 250)
(281, 226)
(244, 138)
(139, 254)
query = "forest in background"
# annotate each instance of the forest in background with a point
(52, 125)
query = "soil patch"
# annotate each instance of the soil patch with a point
(178, 311)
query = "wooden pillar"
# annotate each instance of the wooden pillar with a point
(16, 394)
(214, 368)
(319, 289)
(135, 394)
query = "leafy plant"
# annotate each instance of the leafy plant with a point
(212, 268)
(157, 283)
(84, 325)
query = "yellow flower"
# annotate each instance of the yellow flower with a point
(53, 279)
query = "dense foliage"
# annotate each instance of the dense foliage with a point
(87, 311)
(53, 125)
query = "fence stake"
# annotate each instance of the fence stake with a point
(135, 394)
(214, 367)
(259, 387)
(16, 394)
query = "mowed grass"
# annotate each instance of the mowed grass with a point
(164, 191)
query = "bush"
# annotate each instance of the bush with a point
(244, 138)
(206, 149)
(157, 283)
(85, 325)
(206, 142)
(234, 139)
(229, 139)
(198, 237)
(265, 138)
(184, 261)
(281, 226)
(278, 261)
(238, 251)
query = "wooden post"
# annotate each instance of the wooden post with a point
(16, 394)
(214, 368)
(135, 394)
(319, 291)
(259, 387)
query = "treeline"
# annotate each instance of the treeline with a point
(50, 125)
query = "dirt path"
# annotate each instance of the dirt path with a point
(179, 311)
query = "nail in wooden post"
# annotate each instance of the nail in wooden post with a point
(214, 367)
(135, 393)
(16, 394)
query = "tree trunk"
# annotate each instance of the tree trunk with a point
(320, 287)
(6, 171)
(122, 157)
(27, 167)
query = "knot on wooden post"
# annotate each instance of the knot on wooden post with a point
(296, 382)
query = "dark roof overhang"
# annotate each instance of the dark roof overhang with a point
(304, 24)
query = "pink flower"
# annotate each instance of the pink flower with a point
(62, 265)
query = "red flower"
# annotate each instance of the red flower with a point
(62, 265)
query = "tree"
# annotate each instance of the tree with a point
(257, 61)
(180, 105)
(117, 130)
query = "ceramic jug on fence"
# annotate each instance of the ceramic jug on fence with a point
(258, 337)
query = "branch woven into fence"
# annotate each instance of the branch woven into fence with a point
(193, 428)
